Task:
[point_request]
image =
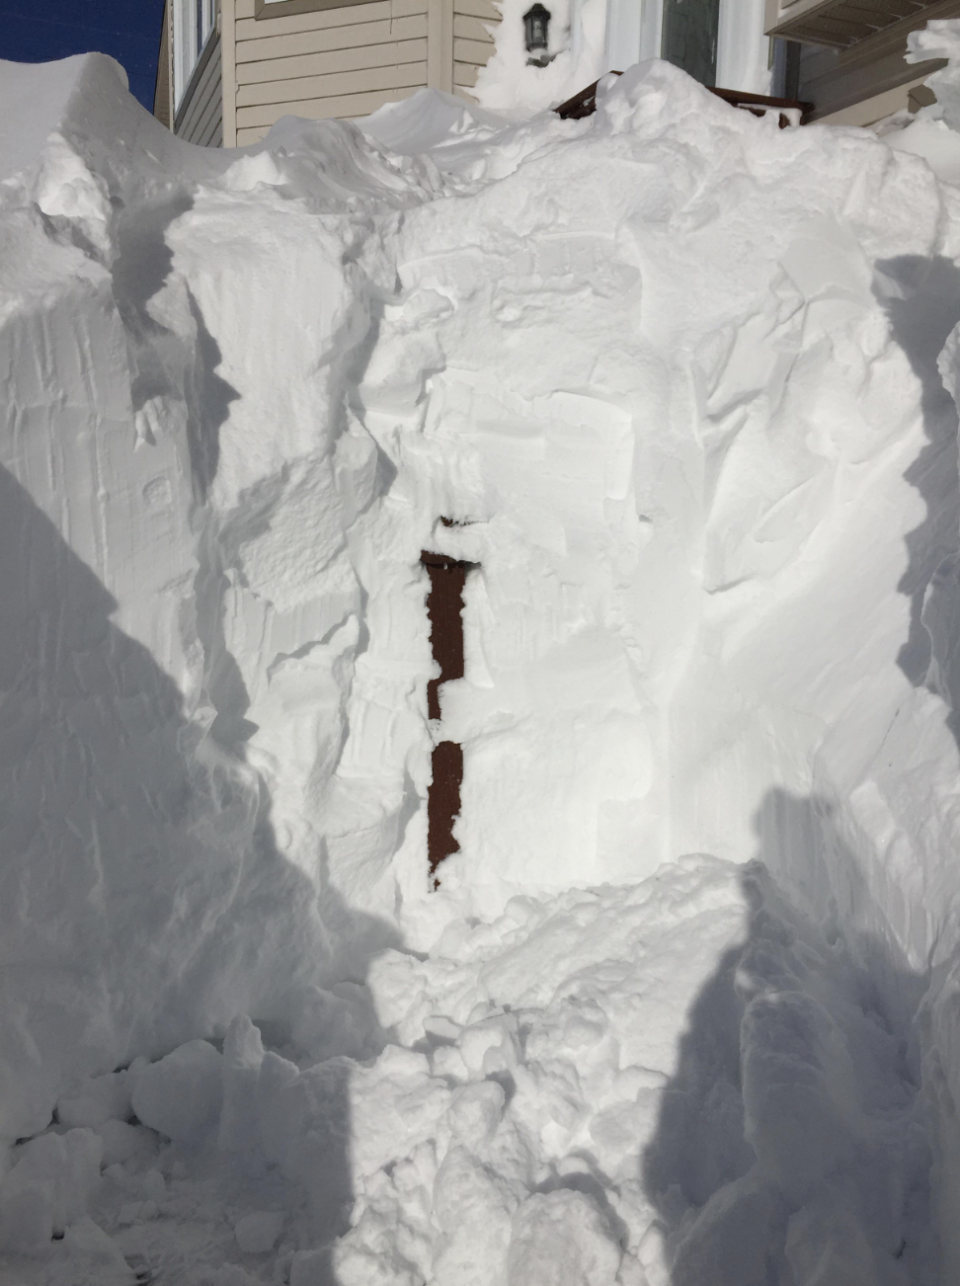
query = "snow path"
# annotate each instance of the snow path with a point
(683, 1010)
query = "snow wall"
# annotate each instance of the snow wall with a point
(678, 378)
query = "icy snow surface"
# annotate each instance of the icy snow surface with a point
(685, 1008)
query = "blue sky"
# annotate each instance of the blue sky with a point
(41, 30)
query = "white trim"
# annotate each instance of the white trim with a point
(194, 22)
(635, 33)
(624, 25)
(651, 29)
(743, 50)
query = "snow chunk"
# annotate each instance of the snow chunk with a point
(475, 1112)
(939, 38)
(26, 1215)
(242, 1058)
(98, 1100)
(34, 100)
(64, 1166)
(96, 1255)
(180, 1096)
(123, 1142)
(257, 1233)
(559, 1239)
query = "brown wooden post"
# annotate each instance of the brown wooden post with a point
(448, 576)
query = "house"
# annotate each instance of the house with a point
(846, 56)
(230, 68)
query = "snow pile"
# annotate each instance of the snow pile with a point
(512, 80)
(576, 1145)
(676, 377)
(588, 38)
(140, 855)
(932, 131)
(939, 39)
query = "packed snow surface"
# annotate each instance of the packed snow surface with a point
(684, 1010)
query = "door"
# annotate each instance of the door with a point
(690, 37)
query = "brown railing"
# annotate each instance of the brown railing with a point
(448, 576)
(585, 103)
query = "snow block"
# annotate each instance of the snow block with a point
(26, 1215)
(100, 1099)
(560, 1237)
(96, 1256)
(123, 1142)
(68, 1164)
(257, 1233)
(181, 1095)
(239, 1132)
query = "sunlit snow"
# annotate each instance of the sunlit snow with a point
(684, 1010)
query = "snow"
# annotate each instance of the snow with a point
(181, 1095)
(683, 1009)
(257, 1233)
(577, 53)
(588, 38)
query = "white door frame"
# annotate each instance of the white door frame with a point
(635, 32)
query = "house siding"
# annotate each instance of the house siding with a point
(472, 41)
(852, 52)
(200, 118)
(834, 79)
(343, 62)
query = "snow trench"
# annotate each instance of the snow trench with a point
(683, 1008)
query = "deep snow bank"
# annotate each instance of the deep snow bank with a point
(140, 855)
(674, 375)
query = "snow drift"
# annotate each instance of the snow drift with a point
(684, 1007)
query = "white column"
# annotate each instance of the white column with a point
(185, 50)
(651, 28)
(624, 32)
(742, 48)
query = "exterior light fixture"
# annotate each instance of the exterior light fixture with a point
(535, 23)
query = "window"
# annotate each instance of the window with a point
(194, 22)
(690, 29)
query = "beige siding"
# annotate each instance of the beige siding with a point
(348, 61)
(874, 109)
(468, 28)
(343, 107)
(479, 9)
(472, 51)
(281, 95)
(473, 21)
(200, 119)
(837, 79)
(342, 85)
(255, 29)
(228, 35)
(351, 35)
(342, 62)
(336, 48)
(465, 76)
